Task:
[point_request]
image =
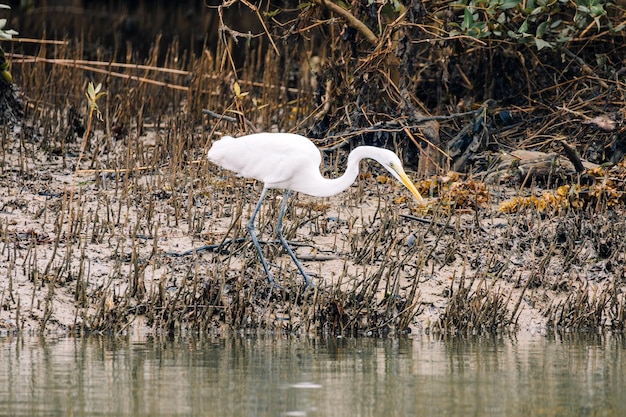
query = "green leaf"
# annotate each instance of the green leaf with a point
(388, 10)
(597, 10)
(619, 27)
(541, 29)
(540, 43)
(93, 94)
(524, 27)
(272, 13)
(538, 10)
(343, 4)
(468, 20)
(6, 76)
(509, 4)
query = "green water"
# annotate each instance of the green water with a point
(288, 376)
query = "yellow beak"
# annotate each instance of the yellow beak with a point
(408, 184)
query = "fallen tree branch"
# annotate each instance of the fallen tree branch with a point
(352, 21)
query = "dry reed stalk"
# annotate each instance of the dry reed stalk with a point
(153, 186)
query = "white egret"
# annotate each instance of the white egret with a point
(292, 162)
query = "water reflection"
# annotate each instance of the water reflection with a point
(274, 376)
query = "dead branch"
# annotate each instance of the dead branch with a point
(229, 119)
(352, 21)
(573, 157)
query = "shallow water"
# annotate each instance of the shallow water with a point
(288, 376)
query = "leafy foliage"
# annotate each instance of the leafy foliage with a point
(546, 23)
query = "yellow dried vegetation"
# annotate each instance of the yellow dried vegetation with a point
(453, 191)
(605, 188)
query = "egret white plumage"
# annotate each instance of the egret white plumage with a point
(292, 162)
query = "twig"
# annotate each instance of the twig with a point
(427, 221)
(212, 248)
(75, 64)
(352, 21)
(255, 9)
(220, 116)
(393, 126)
(317, 258)
(89, 66)
(230, 119)
(21, 58)
(438, 224)
(586, 68)
(572, 155)
(38, 41)
(216, 246)
(327, 99)
(125, 170)
(133, 77)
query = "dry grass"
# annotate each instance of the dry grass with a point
(143, 180)
(144, 196)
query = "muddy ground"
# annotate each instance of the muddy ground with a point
(517, 148)
(379, 261)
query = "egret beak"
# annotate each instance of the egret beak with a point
(408, 183)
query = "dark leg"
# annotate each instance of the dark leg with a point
(255, 240)
(279, 231)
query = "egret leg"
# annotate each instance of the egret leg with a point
(279, 232)
(255, 240)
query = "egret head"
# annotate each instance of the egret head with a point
(392, 163)
(397, 171)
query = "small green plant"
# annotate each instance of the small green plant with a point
(92, 94)
(589, 9)
(482, 19)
